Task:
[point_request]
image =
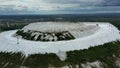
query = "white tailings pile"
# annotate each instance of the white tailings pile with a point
(106, 33)
(56, 31)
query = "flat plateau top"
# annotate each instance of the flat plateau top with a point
(54, 26)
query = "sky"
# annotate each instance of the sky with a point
(9, 7)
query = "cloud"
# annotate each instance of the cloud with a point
(47, 6)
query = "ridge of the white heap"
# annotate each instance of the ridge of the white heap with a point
(106, 33)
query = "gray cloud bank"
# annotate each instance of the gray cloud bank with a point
(58, 6)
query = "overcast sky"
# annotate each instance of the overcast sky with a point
(58, 6)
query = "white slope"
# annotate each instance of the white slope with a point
(62, 55)
(106, 33)
(86, 31)
(96, 64)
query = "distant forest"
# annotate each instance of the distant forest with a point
(18, 21)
